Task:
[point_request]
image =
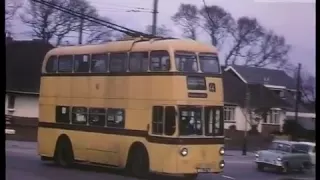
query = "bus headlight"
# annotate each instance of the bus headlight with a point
(221, 151)
(221, 164)
(184, 151)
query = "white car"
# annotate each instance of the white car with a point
(284, 156)
(311, 149)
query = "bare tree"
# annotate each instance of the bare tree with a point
(45, 21)
(161, 30)
(48, 23)
(121, 37)
(217, 23)
(308, 89)
(187, 18)
(11, 7)
(268, 49)
(245, 36)
(307, 80)
(99, 33)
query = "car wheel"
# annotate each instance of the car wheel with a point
(284, 169)
(260, 167)
(304, 167)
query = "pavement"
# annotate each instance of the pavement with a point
(22, 162)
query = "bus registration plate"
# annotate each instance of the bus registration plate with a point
(204, 170)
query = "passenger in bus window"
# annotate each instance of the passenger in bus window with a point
(81, 63)
(191, 123)
(160, 61)
(79, 115)
(115, 118)
(99, 63)
(97, 116)
(186, 62)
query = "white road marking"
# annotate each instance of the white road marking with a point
(10, 131)
(30, 152)
(228, 177)
(237, 162)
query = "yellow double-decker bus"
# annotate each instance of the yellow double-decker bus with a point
(146, 105)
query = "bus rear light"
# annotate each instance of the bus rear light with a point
(221, 151)
(184, 151)
(221, 164)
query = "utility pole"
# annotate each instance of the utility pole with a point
(247, 117)
(81, 27)
(294, 137)
(154, 21)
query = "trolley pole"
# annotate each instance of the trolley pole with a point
(154, 21)
(293, 136)
(247, 116)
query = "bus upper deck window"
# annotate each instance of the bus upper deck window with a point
(99, 63)
(186, 61)
(209, 63)
(52, 64)
(160, 61)
(138, 62)
(65, 63)
(81, 63)
(118, 62)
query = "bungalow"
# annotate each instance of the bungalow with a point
(271, 99)
(23, 64)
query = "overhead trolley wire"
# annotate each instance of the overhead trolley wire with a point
(110, 25)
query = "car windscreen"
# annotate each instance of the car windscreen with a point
(280, 147)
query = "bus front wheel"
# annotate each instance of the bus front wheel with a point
(138, 164)
(63, 154)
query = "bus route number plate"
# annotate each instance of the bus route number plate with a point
(203, 170)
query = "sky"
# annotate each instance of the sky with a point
(294, 19)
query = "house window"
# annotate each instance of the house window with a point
(280, 93)
(11, 101)
(229, 113)
(275, 117)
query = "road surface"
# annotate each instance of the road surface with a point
(22, 162)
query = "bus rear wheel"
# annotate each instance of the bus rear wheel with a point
(64, 154)
(138, 164)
